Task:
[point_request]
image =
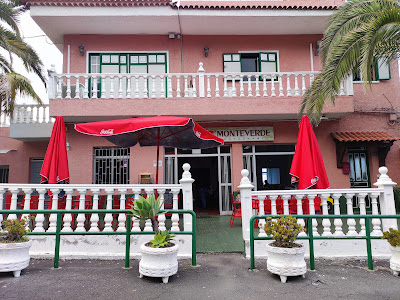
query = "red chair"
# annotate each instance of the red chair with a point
(236, 210)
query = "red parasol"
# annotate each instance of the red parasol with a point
(55, 164)
(308, 169)
(177, 132)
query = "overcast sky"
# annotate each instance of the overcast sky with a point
(48, 53)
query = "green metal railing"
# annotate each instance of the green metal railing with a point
(311, 236)
(58, 233)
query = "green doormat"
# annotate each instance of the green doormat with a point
(214, 234)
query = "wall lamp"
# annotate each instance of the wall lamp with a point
(317, 48)
(81, 50)
(206, 49)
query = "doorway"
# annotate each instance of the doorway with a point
(205, 188)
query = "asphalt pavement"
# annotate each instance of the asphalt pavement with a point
(217, 276)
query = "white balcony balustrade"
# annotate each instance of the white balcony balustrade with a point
(316, 202)
(27, 114)
(184, 85)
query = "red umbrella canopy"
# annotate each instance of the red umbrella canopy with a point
(177, 132)
(55, 164)
(308, 167)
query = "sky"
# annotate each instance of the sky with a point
(48, 53)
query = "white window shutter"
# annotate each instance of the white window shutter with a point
(382, 70)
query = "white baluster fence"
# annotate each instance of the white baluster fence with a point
(379, 200)
(186, 85)
(97, 196)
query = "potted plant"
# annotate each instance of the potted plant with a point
(14, 246)
(393, 237)
(160, 255)
(285, 257)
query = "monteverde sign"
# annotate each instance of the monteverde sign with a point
(240, 134)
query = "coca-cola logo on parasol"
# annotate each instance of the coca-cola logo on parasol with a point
(107, 131)
(198, 134)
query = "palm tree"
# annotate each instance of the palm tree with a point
(357, 34)
(13, 84)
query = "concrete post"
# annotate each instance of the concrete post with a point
(187, 192)
(386, 199)
(200, 71)
(245, 188)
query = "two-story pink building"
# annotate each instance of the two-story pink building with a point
(238, 68)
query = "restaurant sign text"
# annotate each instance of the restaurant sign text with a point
(244, 134)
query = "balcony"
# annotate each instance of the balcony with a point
(30, 122)
(204, 96)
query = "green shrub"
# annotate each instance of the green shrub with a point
(393, 237)
(14, 230)
(284, 230)
(148, 209)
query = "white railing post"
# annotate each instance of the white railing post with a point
(245, 188)
(94, 219)
(338, 221)
(80, 219)
(54, 206)
(187, 194)
(122, 216)
(108, 217)
(39, 227)
(2, 191)
(386, 198)
(201, 72)
(68, 205)
(52, 82)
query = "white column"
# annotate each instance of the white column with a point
(261, 222)
(386, 199)
(338, 221)
(201, 71)
(13, 205)
(161, 218)
(245, 188)
(135, 221)
(351, 223)
(363, 211)
(187, 194)
(326, 223)
(94, 219)
(175, 217)
(376, 223)
(40, 217)
(68, 217)
(108, 217)
(27, 202)
(300, 221)
(80, 219)
(122, 216)
(285, 199)
(54, 206)
(311, 199)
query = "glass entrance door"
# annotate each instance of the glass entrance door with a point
(211, 170)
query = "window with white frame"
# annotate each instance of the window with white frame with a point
(266, 62)
(111, 165)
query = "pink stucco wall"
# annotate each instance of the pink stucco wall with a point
(19, 158)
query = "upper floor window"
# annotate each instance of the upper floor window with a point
(251, 62)
(380, 71)
(4, 170)
(133, 63)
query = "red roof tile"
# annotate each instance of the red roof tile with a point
(283, 4)
(363, 136)
(98, 2)
(255, 4)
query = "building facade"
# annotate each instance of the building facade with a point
(238, 68)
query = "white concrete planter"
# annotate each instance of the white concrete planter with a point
(14, 257)
(159, 262)
(286, 261)
(395, 260)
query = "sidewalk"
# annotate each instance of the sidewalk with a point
(219, 276)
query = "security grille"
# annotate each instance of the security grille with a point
(4, 174)
(111, 165)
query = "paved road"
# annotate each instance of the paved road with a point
(219, 276)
